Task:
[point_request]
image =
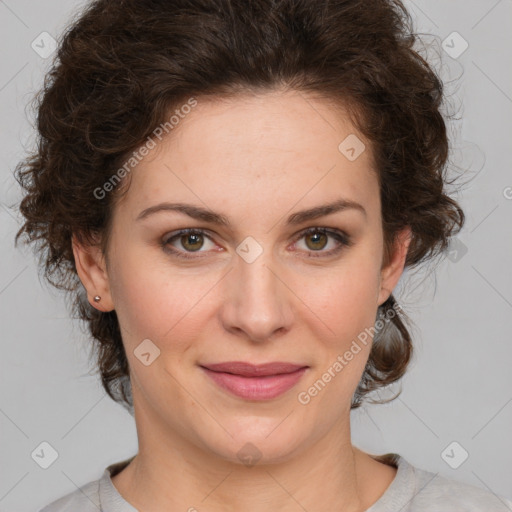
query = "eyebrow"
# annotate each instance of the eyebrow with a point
(199, 213)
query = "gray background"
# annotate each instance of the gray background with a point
(459, 387)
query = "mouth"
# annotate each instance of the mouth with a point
(255, 382)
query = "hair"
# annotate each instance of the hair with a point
(122, 67)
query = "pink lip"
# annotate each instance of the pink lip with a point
(255, 382)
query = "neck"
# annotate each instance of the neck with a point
(172, 473)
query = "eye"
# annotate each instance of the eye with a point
(317, 239)
(187, 241)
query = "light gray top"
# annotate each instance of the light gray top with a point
(412, 490)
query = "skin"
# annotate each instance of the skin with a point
(255, 159)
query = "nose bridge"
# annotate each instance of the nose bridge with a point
(257, 301)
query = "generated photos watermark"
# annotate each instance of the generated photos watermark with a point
(305, 397)
(158, 133)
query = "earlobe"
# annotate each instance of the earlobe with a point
(390, 274)
(91, 269)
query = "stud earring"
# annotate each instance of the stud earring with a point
(97, 298)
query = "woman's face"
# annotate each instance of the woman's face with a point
(255, 287)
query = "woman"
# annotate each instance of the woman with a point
(231, 191)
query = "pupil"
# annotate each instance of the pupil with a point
(318, 237)
(195, 240)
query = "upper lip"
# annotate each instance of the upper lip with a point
(252, 370)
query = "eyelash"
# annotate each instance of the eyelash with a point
(343, 239)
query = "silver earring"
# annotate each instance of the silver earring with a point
(97, 298)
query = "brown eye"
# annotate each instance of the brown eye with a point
(316, 241)
(322, 242)
(192, 241)
(188, 241)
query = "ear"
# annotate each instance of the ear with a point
(391, 272)
(91, 268)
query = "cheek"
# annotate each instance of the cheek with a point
(153, 302)
(345, 300)
(345, 308)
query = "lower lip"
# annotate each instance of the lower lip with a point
(256, 388)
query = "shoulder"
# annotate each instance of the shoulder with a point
(418, 490)
(451, 495)
(84, 499)
(94, 496)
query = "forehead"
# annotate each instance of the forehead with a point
(260, 150)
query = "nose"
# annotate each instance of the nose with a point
(258, 302)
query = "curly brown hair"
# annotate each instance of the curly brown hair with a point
(121, 67)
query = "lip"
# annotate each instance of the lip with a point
(255, 382)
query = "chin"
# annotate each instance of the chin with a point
(259, 441)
